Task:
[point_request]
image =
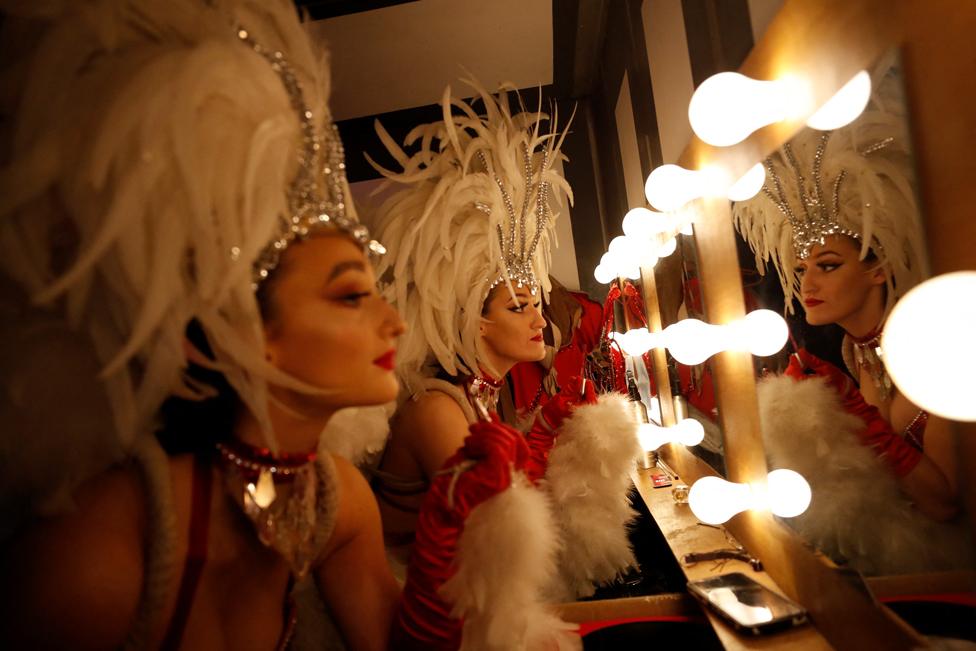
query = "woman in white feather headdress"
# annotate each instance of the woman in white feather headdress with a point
(838, 220)
(469, 226)
(174, 201)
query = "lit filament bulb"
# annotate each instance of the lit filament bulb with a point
(714, 500)
(687, 432)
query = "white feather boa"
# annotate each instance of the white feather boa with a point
(357, 433)
(506, 554)
(857, 512)
(588, 478)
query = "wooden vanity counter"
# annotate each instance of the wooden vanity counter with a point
(684, 534)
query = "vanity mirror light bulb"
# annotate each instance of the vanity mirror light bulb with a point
(762, 332)
(729, 106)
(787, 492)
(634, 342)
(691, 341)
(687, 432)
(604, 274)
(749, 184)
(642, 223)
(714, 500)
(666, 249)
(669, 187)
(846, 104)
(928, 345)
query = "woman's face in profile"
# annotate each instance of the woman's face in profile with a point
(512, 326)
(834, 283)
(329, 327)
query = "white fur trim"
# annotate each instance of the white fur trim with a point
(506, 554)
(357, 433)
(858, 512)
(588, 478)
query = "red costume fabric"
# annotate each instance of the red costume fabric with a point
(877, 434)
(479, 470)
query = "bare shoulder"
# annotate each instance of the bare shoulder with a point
(75, 580)
(432, 428)
(356, 508)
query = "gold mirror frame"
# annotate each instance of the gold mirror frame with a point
(828, 42)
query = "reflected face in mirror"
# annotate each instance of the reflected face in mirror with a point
(836, 286)
(511, 327)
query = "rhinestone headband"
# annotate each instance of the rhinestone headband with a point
(518, 260)
(816, 218)
(316, 197)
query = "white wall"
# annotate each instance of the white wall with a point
(670, 66)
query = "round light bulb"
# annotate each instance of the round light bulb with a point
(846, 104)
(764, 332)
(788, 493)
(669, 187)
(727, 107)
(604, 274)
(691, 341)
(651, 436)
(928, 345)
(635, 342)
(689, 432)
(642, 223)
(666, 249)
(714, 500)
(749, 184)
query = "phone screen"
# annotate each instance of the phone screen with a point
(745, 601)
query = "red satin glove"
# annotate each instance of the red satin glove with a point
(900, 455)
(479, 470)
(542, 436)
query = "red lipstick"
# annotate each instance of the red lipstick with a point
(537, 338)
(387, 360)
(812, 302)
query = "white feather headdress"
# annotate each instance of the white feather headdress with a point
(477, 210)
(154, 152)
(854, 181)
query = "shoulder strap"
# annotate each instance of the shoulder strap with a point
(196, 555)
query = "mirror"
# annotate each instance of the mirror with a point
(694, 384)
(837, 237)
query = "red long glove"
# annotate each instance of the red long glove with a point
(900, 455)
(542, 436)
(479, 470)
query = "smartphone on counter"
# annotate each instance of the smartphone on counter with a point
(747, 605)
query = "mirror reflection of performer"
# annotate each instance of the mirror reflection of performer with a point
(192, 219)
(469, 225)
(838, 220)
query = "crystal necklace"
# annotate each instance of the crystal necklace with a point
(286, 519)
(483, 393)
(869, 356)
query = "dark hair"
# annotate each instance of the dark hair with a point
(190, 426)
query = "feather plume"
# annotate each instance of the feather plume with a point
(181, 148)
(588, 478)
(442, 226)
(857, 515)
(506, 553)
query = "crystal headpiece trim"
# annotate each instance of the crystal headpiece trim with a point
(816, 218)
(316, 197)
(518, 260)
